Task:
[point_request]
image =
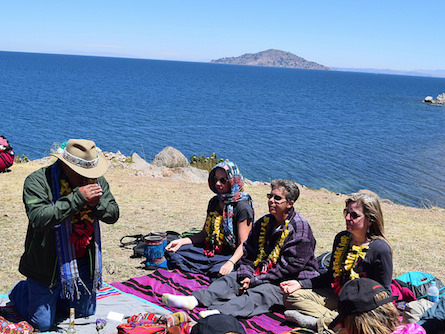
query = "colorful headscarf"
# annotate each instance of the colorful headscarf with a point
(236, 194)
(66, 255)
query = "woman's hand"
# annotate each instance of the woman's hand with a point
(174, 245)
(245, 284)
(226, 268)
(290, 286)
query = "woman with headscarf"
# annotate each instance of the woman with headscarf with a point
(217, 248)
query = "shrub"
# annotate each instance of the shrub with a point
(203, 162)
(21, 159)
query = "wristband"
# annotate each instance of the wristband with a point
(231, 262)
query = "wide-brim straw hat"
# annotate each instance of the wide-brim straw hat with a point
(82, 156)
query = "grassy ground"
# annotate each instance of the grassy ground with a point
(159, 204)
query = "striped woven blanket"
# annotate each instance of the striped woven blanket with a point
(152, 286)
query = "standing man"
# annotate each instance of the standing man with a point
(62, 260)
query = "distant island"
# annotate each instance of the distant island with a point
(272, 58)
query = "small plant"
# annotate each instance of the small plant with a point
(128, 160)
(203, 162)
(21, 159)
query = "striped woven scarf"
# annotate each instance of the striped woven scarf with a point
(66, 256)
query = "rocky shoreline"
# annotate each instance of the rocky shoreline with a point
(159, 198)
(440, 99)
(170, 162)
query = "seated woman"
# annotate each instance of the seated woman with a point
(365, 307)
(280, 246)
(360, 251)
(216, 250)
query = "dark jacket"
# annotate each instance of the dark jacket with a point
(39, 260)
(376, 265)
(296, 259)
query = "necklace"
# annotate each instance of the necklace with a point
(273, 256)
(215, 234)
(345, 262)
(82, 222)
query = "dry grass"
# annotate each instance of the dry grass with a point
(159, 204)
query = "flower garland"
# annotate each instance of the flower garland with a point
(215, 234)
(273, 256)
(82, 222)
(345, 262)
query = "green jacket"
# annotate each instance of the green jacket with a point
(39, 260)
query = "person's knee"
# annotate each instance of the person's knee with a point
(42, 325)
(294, 299)
(40, 316)
(42, 319)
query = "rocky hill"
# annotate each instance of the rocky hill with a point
(274, 58)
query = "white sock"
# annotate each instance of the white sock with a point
(301, 319)
(206, 313)
(188, 302)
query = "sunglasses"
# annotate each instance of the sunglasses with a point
(353, 214)
(275, 197)
(223, 180)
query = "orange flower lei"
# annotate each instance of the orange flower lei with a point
(273, 256)
(65, 189)
(346, 261)
(215, 233)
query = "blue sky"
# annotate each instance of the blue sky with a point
(398, 35)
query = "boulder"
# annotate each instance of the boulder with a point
(428, 99)
(170, 157)
(369, 192)
(187, 173)
(142, 166)
(441, 98)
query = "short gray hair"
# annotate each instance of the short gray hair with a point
(291, 188)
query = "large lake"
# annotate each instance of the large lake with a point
(338, 130)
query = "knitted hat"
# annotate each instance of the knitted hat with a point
(358, 296)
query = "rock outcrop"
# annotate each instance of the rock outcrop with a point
(440, 99)
(162, 165)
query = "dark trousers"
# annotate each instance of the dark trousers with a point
(38, 304)
(222, 295)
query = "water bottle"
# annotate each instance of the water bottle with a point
(71, 329)
(433, 292)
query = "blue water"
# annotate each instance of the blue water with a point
(338, 130)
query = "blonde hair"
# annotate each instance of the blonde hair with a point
(381, 320)
(373, 212)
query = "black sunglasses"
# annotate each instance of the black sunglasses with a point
(275, 197)
(354, 215)
(223, 180)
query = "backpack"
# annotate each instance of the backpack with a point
(419, 282)
(139, 241)
(6, 154)
(324, 261)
